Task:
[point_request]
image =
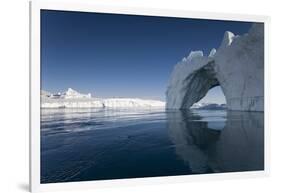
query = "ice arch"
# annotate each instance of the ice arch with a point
(237, 66)
(189, 85)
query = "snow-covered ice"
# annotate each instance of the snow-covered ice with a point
(69, 94)
(74, 99)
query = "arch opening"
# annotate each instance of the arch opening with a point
(199, 84)
(215, 95)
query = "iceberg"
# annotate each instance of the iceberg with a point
(208, 106)
(74, 99)
(69, 94)
(237, 66)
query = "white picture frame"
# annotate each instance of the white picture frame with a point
(88, 6)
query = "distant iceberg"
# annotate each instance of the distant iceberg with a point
(208, 106)
(74, 99)
(69, 94)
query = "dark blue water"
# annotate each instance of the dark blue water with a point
(91, 144)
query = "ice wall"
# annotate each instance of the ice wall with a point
(101, 103)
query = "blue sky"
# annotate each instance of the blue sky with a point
(112, 55)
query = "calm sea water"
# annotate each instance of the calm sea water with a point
(91, 144)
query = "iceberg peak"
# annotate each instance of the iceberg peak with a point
(212, 52)
(227, 39)
(195, 54)
(71, 93)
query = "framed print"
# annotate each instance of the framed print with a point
(123, 96)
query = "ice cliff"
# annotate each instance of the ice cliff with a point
(74, 99)
(237, 66)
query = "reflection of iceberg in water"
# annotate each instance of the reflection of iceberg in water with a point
(205, 147)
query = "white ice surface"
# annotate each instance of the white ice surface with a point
(74, 99)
